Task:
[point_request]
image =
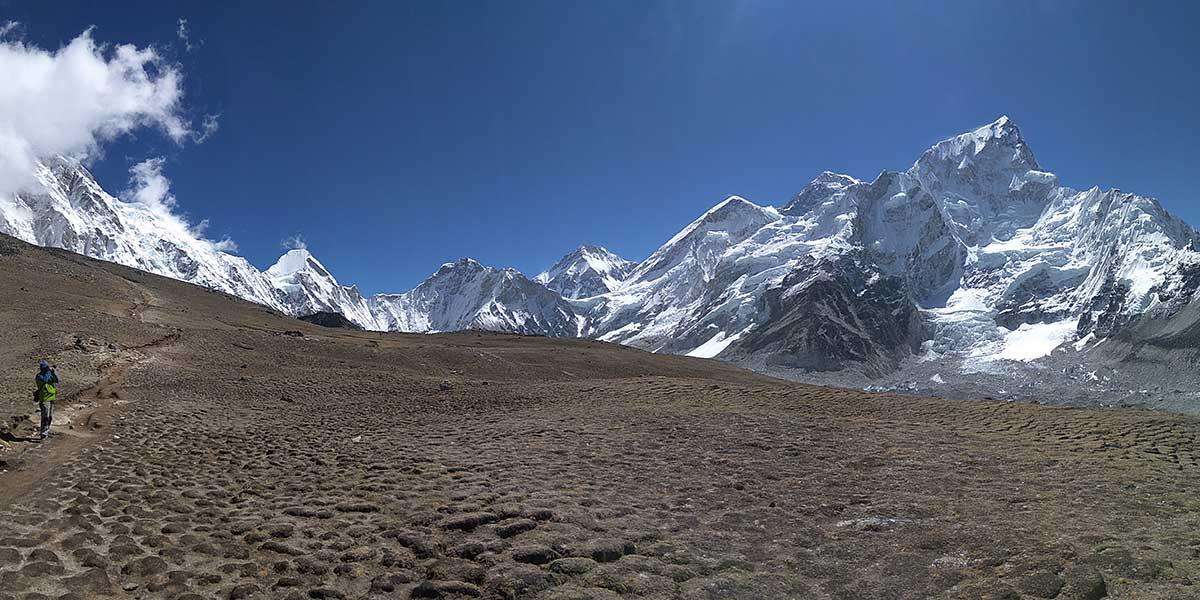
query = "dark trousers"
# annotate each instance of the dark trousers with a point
(47, 409)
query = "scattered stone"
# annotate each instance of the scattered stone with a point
(392, 581)
(417, 543)
(310, 566)
(455, 569)
(513, 580)
(90, 558)
(1042, 584)
(246, 590)
(869, 524)
(43, 555)
(1083, 583)
(573, 565)
(281, 548)
(571, 592)
(281, 531)
(357, 507)
(515, 527)
(441, 589)
(541, 514)
(246, 569)
(122, 551)
(324, 592)
(359, 554)
(468, 550)
(392, 558)
(468, 521)
(534, 554)
(92, 581)
(605, 549)
(41, 569)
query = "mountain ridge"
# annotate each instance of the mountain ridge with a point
(990, 261)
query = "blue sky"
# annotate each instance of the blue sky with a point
(397, 136)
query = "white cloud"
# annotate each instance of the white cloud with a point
(208, 127)
(73, 100)
(184, 35)
(295, 242)
(148, 185)
(151, 189)
(226, 245)
(9, 28)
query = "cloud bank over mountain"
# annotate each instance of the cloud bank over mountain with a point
(73, 100)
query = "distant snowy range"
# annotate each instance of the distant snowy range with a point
(973, 273)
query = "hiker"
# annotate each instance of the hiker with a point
(47, 391)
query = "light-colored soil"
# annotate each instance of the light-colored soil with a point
(211, 454)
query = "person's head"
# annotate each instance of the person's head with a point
(43, 366)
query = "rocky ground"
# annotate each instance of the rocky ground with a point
(208, 448)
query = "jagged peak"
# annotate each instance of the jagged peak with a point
(997, 148)
(1003, 130)
(296, 260)
(588, 253)
(729, 208)
(732, 206)
(818, 190)
(1003, 127)
(733, 200)
(465, 263)
(584, 250)
(830, 177)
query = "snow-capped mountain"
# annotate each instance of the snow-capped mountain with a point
(974, 257)
(585, 272)
(468, 295)
(68, 209)
(670, 298)
(307, 287)
(973, 262)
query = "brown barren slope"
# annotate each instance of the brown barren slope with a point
(202, 451)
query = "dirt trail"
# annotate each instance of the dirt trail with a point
(81, 418)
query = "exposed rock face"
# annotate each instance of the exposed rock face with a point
(832, 315)
(330, 319)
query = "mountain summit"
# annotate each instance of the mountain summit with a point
(585, 272)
